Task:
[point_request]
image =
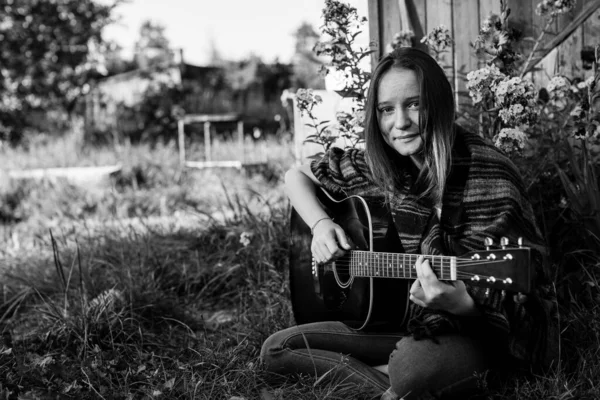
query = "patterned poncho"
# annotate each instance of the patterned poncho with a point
(484, 197)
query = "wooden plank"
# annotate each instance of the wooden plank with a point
(569, 55)
(374, 31)
(538, 23)
(487, 7)
(591, 37)
(520, 18)
(417, 15)
(419, 7)
(548, 68)
(588, 9)
(563, 20)
(389, 21)
(591, 29)
(466, 29)
(191, 118)
(439, 12)
(405, 23)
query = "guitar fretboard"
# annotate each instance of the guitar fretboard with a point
(398, 265)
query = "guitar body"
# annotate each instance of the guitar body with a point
(365, 303)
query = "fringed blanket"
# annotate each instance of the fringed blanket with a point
(484, 197)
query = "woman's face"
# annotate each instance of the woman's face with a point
(398, 96)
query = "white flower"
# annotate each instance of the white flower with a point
(554, 7)
(438, 39)
(479, 82)
(510, 140)
(306, 100)
(246, 238)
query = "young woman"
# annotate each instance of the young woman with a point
(446, 190)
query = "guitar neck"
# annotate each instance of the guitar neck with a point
(398, 265)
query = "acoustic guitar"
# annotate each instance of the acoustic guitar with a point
(369, 286)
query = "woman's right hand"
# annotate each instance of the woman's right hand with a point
(329, 241)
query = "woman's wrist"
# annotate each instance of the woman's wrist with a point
(466, 307)
(317, 222)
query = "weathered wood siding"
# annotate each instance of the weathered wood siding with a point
(464, 17)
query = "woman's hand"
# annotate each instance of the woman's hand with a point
(329, 241)
(428, 291)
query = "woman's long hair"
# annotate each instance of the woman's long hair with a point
(436, 123)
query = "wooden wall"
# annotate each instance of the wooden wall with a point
(561, 51)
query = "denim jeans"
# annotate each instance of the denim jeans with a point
(418, 369)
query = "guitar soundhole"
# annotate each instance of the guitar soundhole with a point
(342, 268)
(334, 295)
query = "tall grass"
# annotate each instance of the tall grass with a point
(105, 308)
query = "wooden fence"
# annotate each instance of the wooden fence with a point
(560, 52)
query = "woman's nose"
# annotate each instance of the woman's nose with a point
(401, 120)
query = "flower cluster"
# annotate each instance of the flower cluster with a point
(510, 140)
(351, 125)
(492, 38)
(306, 100)
(338, 15)
(554, 7)
(558, 86)
(439, 39)
(516, 99)
(495, 39)
(559, 89)
(245, 238)
(480, 82)
(341, 23)
(490, 24)
(402, 39)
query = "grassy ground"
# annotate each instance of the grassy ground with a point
(179, 311)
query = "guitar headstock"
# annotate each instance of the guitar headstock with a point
(504, 268)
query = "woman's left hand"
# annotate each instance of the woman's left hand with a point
(428, 291)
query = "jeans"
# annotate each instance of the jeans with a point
(418, 369)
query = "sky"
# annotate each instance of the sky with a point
(237, 28)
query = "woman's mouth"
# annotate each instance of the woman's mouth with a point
(406, 137)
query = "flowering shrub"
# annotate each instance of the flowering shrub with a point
(552, 127)
(554, 7)
(341, 26)
(402, 39)
(510, 140)
(438, 40)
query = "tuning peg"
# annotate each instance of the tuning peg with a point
(520, 242)
(488, 242)
(503, 242)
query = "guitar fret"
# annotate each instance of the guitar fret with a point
(442, 274)
(397, 265)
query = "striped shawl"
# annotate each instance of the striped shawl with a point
(484, 197)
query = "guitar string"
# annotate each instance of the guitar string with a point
(384, 271)
(459, 275)
(459, 264)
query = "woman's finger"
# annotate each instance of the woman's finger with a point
(415, 287)
(342, 239)
(424, 271)
(417, 301)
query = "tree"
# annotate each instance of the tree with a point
(306, 63)
(46, 56)
(153, 50)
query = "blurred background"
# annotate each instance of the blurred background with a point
(107, 105)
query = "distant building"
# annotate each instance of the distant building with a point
(250, 88)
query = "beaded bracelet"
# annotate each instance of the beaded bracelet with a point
(312, 230)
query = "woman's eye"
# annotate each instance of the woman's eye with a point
(386, 109)
(414, 105)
